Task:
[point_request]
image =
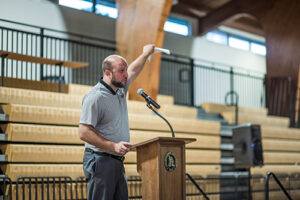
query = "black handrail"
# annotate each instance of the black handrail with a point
(32, 193)
(197, 186)
(278, 182)
(79, 182)
(7, 183)
(236, 104)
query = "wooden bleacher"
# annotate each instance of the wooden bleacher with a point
(165, 99)
(246, 115)
(40, 98)
(219, 108)
(281, 150)
(43, 140)
(39, 60)
(73, 89)
(34, 85)
(281, 145)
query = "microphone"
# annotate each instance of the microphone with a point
(147, 98)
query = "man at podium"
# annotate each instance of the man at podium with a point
(104, 127)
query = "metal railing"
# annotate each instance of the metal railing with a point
(80, 184)
(269, 174)
(231, 94)
(193, 81)
(5, 187)
(233, 187)
(53, 44)
(190, 81)
(44, 188)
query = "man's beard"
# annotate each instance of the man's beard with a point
(118, 84)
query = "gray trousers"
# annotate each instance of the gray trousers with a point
(105, 176)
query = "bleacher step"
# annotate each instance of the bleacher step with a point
(202, 114)
(234, 173)
(3, 137)
(227, 147)
(4, 117)
(2, 176)
(3, 158)
(226, 131)
(227, 161)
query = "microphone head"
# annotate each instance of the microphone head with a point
(140, 91)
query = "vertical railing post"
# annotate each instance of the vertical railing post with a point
(263, 94)
(94, 6)
(2, 69)
(192, 80)
(249, 184)
(60, 78)
(231, 85)
(298, 119)
(42, 53)
(291, 105)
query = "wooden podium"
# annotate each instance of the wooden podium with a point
(161, 164)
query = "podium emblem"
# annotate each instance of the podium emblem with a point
(170, 161)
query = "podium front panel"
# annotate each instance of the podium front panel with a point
(172, 171)
(161, 164)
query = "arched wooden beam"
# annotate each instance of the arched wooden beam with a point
(141, 22)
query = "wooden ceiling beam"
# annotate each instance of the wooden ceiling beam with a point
(195, 4)
(226, 12)
(246, 25)
(187, 10)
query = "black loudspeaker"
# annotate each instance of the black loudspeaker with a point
(248, 150)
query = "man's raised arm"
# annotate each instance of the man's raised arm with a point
(135, 68)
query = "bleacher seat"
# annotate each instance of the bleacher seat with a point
(42, 132)
(219, 108)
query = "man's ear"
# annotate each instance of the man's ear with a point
(107, 73)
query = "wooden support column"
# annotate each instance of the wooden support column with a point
(141, 22)
(281, 25)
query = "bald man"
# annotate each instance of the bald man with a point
(104, 127)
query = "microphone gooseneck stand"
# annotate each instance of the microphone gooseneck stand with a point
(173, 135)
(150, 107)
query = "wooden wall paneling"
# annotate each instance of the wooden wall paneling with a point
(280, 24)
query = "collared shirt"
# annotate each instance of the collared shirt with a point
(106, 111)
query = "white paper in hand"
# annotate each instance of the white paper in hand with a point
(158, 50)
(166, 51)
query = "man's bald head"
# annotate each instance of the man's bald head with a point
(109, 62)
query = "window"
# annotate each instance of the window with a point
(105, 8)
(177, 26)
(224, 38)
(217, 37)
(108, 8)
(238, 43)
(78, 4)
(258, 48)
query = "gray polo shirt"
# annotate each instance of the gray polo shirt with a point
(106, 111)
